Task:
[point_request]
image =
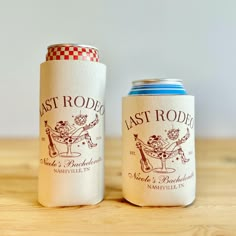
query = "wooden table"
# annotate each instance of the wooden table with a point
(213, 213)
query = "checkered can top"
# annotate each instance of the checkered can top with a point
(72, 52)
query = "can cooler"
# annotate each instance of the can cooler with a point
(158, 144)
(72, 88)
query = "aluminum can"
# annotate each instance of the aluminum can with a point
(72, 87)
(158, 144)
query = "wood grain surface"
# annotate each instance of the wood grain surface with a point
(213, 212)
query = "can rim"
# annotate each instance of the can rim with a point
(71, 45)
(156, 80)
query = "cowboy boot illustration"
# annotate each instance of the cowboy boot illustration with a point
(89, 141)
(183, 158)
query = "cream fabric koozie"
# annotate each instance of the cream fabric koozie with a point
(158, 150)
(71, 133)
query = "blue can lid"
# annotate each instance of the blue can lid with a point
(157, 87)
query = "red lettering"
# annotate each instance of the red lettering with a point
(77, 99)
(168, 115)
(67, 99)
(160, 113)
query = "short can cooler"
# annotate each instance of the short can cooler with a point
(158, 144)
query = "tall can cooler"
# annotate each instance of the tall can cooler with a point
(158, 144)
(72, 87)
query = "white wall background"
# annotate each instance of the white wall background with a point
(194, 40)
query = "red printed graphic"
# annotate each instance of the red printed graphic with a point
(65, 133)
(53, 152)
(145, 164)
(162, 149)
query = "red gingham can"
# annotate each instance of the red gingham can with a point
(72, 87)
